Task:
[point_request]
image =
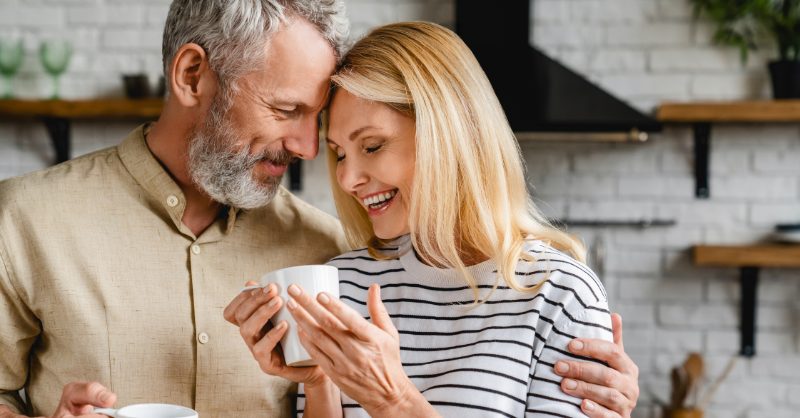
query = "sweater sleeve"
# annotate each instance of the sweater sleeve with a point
(577, 310)
(300, 404)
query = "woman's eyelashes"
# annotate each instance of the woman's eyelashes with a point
(371, 149)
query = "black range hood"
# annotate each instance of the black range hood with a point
(538, 94)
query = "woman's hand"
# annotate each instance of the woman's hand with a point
(251, 312)
(608, 392)
(361, 358)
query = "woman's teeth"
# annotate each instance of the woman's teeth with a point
(378, 200)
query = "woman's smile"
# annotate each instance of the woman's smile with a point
(377, 203)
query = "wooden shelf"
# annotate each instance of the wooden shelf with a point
(743, 111)
(702, 114)
(82, 109)
(785, 256)
(749, 259)
(57, 115)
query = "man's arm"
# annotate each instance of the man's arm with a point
(20, 329)
(607, 392)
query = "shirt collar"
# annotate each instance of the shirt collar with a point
(145, 168)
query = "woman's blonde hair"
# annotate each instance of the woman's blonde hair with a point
(469, 193)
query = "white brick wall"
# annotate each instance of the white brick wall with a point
(645, 52)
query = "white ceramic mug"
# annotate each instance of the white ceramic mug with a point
(314, 279)
(149, 410)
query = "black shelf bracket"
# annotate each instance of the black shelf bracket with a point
(59, 130)
(702, 145)
(748, 281)
(296, 175)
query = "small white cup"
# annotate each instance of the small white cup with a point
(149, 410)
(314, 279)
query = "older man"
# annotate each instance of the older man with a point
(115, 267)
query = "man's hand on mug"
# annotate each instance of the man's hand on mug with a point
(78, 399)
(607, 392)
(251, 311)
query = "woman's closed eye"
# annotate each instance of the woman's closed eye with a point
(373, 149)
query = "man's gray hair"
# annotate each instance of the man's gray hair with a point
(232, 32)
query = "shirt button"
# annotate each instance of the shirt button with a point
(202, 338)
(172, 201)
(196, 249)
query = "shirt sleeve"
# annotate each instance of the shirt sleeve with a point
(19, 329)
(301, 400)
(571, 313)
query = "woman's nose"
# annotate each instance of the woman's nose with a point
(350, 175)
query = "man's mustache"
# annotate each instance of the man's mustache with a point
(279, 158)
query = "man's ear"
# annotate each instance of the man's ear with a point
(191, 77)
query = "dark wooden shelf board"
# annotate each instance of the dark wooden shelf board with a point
(768, 255)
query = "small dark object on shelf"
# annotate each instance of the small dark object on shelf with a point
(137, 86)
(161, 89)
(787, 227)
(787, 233)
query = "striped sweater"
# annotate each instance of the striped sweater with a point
(491, 360)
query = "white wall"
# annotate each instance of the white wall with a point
(644, 51)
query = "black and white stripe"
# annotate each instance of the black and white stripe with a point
(493, 359)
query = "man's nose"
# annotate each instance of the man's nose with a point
(303, 141)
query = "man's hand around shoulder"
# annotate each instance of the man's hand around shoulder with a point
(78, 399)
(607, 392)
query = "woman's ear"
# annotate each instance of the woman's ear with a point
(191, 77)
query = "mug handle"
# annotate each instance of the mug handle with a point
(105, 411)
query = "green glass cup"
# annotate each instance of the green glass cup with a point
(55, 56)
(11, 54)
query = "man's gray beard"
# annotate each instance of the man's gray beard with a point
(224, 173)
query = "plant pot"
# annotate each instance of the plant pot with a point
(785, 76)
(683, 413)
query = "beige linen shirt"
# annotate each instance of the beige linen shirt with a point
(100, 280)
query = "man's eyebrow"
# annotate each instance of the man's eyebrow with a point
(287, 103)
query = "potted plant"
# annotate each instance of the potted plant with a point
(741, 23)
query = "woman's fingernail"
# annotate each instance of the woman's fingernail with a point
(281, 325)
(272, 302)
(570, 384)
(562, 367)
(588, 405)
(294, 290)
(323, 298)
(266, 289)
(291, 304)
(576, 345)
(104, 396)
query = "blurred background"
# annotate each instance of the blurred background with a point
(636, 205)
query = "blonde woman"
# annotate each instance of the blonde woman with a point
(463, 298)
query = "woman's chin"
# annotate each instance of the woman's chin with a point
(390, 235)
